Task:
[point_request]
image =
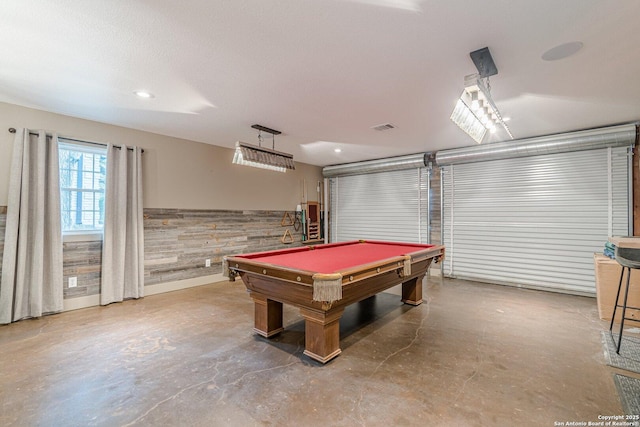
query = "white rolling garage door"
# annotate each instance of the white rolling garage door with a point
(391, 205)
(535, 221)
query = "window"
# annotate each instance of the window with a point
(82, 183)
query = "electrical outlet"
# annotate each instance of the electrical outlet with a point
(207, 262)
(73, 282)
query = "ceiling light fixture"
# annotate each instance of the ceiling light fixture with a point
(475, 112)
(144, 94)
(262, 157)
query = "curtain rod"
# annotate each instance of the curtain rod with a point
(13, 130)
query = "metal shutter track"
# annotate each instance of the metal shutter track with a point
(534, 221)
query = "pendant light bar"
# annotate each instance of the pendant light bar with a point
(261, 157)
(475, 112)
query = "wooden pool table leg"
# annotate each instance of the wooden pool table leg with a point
(412, 291)
(322, 333)
(268, 315)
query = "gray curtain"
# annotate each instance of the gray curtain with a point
(123, 242)
(31, 283)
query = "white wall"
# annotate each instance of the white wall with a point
(177, 173)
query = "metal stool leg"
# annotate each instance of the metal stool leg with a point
(615, 307)
(624, 310)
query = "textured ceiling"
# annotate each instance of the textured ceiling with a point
(321, 71)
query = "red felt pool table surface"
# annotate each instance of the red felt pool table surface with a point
(335, 257)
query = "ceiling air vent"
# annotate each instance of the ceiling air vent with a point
(382, 127)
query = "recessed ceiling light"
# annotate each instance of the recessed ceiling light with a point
(144, 94)
(338, 150)
(562, 51)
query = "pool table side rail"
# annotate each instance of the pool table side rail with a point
(242, 264)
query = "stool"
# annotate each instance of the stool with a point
(628, 258)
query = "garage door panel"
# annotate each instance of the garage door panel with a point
(534, 221)
(390, 205)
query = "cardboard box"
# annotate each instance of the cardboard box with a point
(607, 278)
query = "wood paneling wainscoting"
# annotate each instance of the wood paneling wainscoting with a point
(177, 243)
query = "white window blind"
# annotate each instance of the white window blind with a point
(391, 205)
(534, 221)
(82, 187)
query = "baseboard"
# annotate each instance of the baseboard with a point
(159, 288)
(177, 285)
(80, 302)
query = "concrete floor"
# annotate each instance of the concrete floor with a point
(471, 355)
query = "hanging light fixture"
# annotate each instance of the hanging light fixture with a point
(262, 157)
(475, 112)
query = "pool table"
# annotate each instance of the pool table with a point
(322, 280)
